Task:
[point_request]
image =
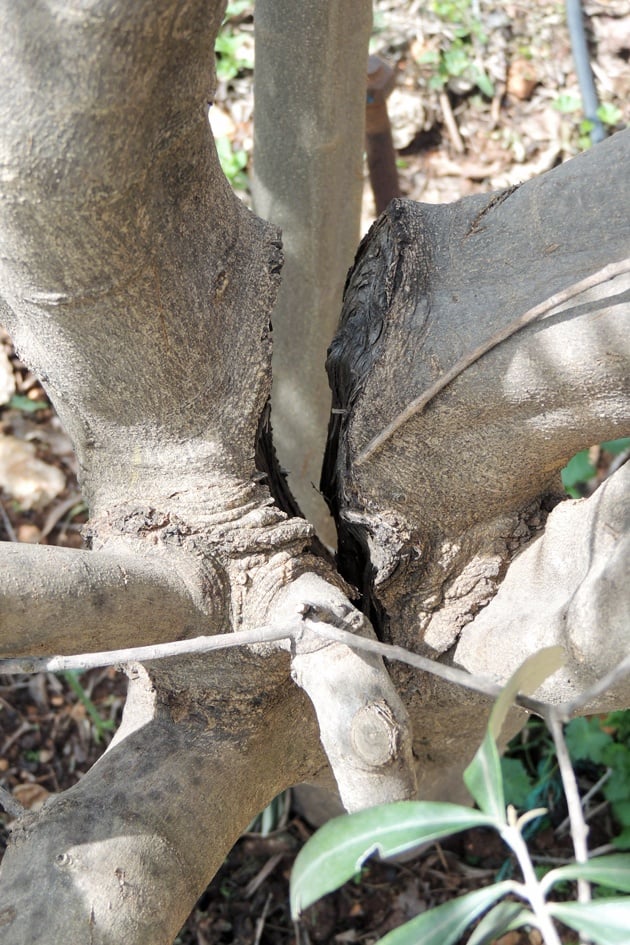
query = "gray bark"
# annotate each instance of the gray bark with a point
(430, 522)
(140, 290)
(50, 598)
(309, 139)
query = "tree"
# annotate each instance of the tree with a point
(140, 290)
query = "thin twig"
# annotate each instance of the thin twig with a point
(566, 823)
(451, 124)
(141, 654)
(6, 521)
(417, 406)
(461, 677)
(294, 630)
(579, 829)
(260, 922)
(569, 709)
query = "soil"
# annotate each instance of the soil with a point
(508, 109)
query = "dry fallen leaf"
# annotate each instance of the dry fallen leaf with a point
(24, 477)
(31, 796)
(522, 79)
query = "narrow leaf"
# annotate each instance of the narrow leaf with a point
(528, 677)
(445, 924)
(483, 776)
(484, 780)
(605, 921)
(612, 871)
(336, 852)
(503, 918)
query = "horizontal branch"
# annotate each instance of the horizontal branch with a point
(65, 600)
(294, 630)
(196, 646)
(416, 406)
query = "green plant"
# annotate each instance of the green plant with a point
(458, 59)
(338, 851)
(605, 741)
(530, 767)
(233, 163)
(234, 48)
(26, 405)
(569, 103)
(100, 726)
(580, 470)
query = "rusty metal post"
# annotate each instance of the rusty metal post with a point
(378, 134)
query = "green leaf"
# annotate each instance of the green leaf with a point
(616, 447)
(484, 83)
(617, 787)
(622, 841)
(527, 678)
(567, 102)
(338, 850)
(503, 918)
(609, 114)
(19, 402)
(446, 923)
(585, 740)
(517, 783)
(578, 469)
(612, 871)
(621, 812)
(605, 921)
(483, 779)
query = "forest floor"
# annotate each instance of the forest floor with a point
(485, 96)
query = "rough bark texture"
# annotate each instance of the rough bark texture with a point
(310, 79)
(140, 290)
(430, 522)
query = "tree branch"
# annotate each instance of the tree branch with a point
(124, 854)
(540, 310)
(309, 139)
(65, 600)
(568, 588)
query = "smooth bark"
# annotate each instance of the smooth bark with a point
(431, 521)
(53, 599)
(140, 290)
(309, 139)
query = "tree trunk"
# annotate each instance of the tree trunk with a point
(309, 128)
(140, 290)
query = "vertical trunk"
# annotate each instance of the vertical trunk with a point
(311, 62)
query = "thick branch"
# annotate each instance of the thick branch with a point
(430, 521)
(364, 726)
(309, 138)
(138, 286)
(570, 587)
(60, 600)
(123, 855)
(431, 285)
